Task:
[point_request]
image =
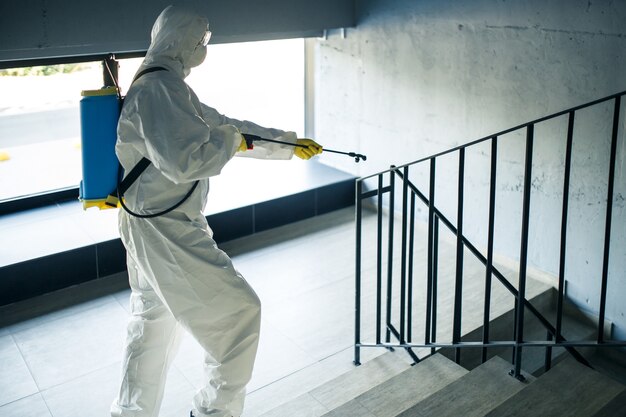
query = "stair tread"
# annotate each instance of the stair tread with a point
(475, 394)
(342, 389)
(302, 406)
(575, 326)
(616, 407)
(569, 388)
(404, 390)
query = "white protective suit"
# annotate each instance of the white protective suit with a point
(179, 278)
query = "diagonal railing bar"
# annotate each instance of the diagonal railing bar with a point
(501, 278)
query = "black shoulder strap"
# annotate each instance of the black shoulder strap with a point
(147, 71)
(137, 170)
(140, 166)
(144, 162)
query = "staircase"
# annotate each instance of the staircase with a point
(442, 304)
(391, 384)
(466, 334)
(387, 386)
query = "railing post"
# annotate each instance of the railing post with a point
(490, 229)
(548, 359)
(430, 254)
(379, 259)
(521, 291)
(403, 266)
(357, 301)
(433, 295)
(609, 215)
(409, 323)
(566, 179)
(392, 197)
(458, 287)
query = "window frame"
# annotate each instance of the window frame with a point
(59, 195)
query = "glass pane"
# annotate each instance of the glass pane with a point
(40, 128)
(39, 107)
(258, 81)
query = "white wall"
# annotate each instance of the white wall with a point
(419, 77)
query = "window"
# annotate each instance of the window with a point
(40, 120)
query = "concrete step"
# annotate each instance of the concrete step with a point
(576, 326)
(568, 389)
(610, 362)
(475, 394)
(616, 407)
(342, 389)
(403, 391)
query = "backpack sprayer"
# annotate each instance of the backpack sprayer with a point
(99, 114)
(102, 185)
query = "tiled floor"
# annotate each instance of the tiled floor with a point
(66, 363)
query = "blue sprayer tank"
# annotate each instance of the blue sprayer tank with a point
(99, 114)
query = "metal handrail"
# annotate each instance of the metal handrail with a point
(435, 216)
(501, 133)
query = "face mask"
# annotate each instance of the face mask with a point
(198, 56)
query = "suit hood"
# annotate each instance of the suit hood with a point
(175, 35)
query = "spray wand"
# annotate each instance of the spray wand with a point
(251, 138)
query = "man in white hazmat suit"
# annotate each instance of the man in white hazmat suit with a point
(178, 276)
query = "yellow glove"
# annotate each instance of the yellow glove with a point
(312, 149)
(243, 146)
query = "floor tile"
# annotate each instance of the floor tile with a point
(62, 350)
(189, 361)
(321, 322)
(277, 357)
(88, 395)
(123, 297)
(15, 379)
(296, 269)
(58, 305)
(92, 394)
(33, 405)
(178, 395)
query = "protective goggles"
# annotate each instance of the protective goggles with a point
(206, 38)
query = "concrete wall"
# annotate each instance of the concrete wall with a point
(419, 77)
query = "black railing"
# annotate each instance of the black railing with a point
(399, 319)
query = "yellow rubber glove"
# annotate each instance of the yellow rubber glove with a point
(312, 149)
(243, 146)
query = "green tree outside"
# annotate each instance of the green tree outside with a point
(44, 70)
